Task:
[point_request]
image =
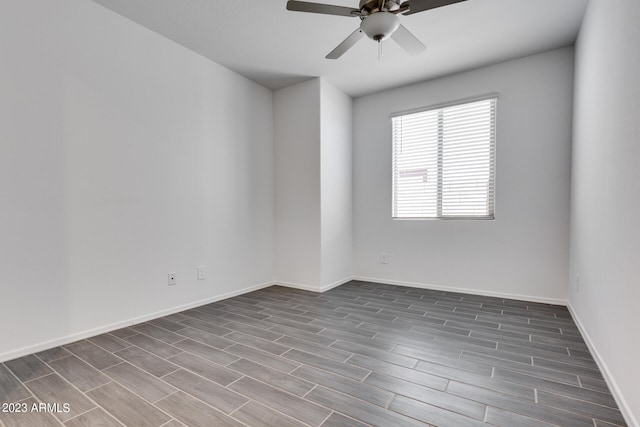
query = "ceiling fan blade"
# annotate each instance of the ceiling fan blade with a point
(345, 45)
(327, 9)
(416, 6)
(408, 41)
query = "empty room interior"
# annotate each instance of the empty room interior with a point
(354, 213)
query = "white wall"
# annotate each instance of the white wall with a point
(524, 251)
(605, 236)
(297, 184)
(336, 129)
(123, 157)
(313, 158)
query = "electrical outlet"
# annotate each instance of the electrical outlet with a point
(577, 283)
(172, 279)
(384, 258)
(202, 272)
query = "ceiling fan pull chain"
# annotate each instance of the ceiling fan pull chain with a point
(379, 49)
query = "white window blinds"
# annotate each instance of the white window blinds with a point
(444, 162)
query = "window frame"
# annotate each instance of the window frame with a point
(493, 159)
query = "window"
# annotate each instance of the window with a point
(444, 162)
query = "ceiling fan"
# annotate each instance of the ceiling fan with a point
(379, 20)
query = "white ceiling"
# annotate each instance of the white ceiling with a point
(263, 41)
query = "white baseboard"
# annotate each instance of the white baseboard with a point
(325, 288)
(10, 355)
(298, 286)
(624, 406)
(555, 301)
(319, 289)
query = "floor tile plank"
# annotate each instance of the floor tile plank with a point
(604, 413)
(82, 375)
(27, 368)
(157, 333)
(286, 382)
(317, 349)
(11, 390)
(94, 418)
(144, 385)
(520, 390)
(360, 410)
(255, 414)
(109, 342)
(339, 368)
(205, 338)
(167, 324)
(147, 361)
(93, 355)
(431, 414)
(412, 375)
(281, 401)
(555, 387)
(53, 354)
(255, 342)
(192, 412)
(357, 389)
(263, 358)
(207, 391)
(428, 395)
(153, 346)
(503, 401)
(256, 332)
(212, 371)
(396, 359)
(207, 352)
(339, 420)
(502, 418)
(205, 326)
(128, 408)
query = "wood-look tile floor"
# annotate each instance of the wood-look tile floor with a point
(361, 354)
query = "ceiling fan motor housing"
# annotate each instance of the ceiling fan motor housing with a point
(380, 25)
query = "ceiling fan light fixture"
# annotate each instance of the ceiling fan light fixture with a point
(380, 26)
